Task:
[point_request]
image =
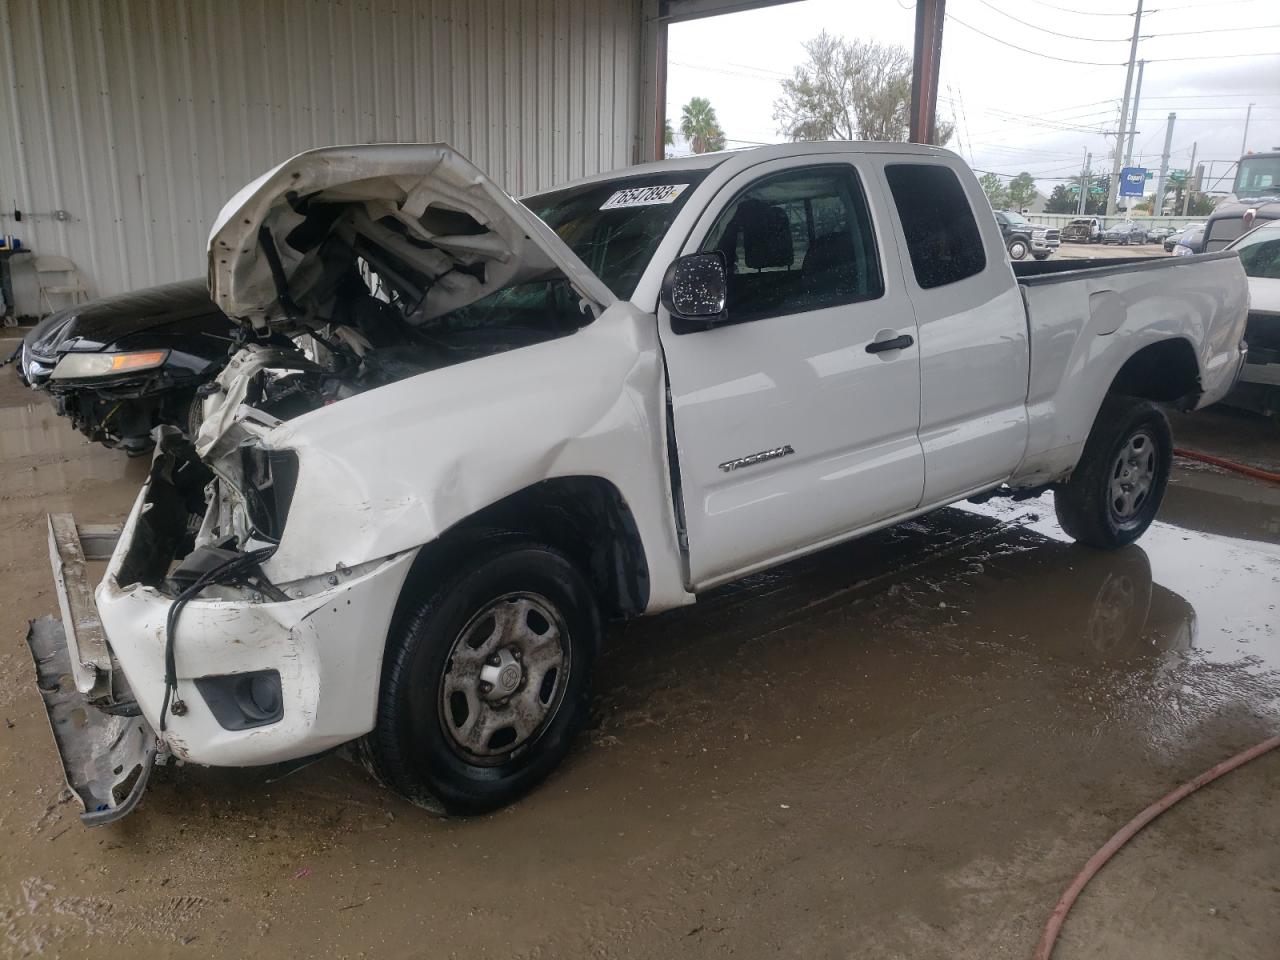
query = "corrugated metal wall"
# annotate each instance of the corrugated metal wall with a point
(141, 117)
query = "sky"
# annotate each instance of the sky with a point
(1019, 109)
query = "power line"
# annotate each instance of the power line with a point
(1197, 109)
(1195, 6)
(1219, 119)
(1215, 96)
(1068, 36)
(1214, 56)
(724, 70)
(1034, 53)
(997, 173)
(1087, 13)
(1196, 33)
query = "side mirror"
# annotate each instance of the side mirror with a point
(695, 290)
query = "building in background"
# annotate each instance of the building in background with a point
(130, 122)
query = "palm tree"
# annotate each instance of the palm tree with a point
(700, 127)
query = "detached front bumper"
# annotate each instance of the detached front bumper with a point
(319, 654)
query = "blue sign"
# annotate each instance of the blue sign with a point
(1133, 181)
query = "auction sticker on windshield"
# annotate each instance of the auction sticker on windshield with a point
(644, 196)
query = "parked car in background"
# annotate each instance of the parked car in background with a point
(1022, 238)
(1082, 230)
(121, 365)
(1125, 232)
(593, 404)
(1158, 234)
(1189, 241)
(1172, 240)
(1259, 386)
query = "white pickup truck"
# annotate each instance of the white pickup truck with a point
(510, 422)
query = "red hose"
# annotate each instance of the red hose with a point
(1228, 465)
(1126, 833)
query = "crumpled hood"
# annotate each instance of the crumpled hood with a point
(422, 204)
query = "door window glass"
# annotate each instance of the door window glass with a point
(1260, 253)
(937, 221)
(797, 241)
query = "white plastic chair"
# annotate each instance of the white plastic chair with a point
(59, 277)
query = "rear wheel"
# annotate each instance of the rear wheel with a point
(485, 683)
(1116, 488)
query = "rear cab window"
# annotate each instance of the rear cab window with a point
(937, 220)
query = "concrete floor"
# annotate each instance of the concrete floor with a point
(904, 747)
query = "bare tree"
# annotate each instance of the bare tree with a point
(849, 89)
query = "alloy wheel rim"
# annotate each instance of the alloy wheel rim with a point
(1133, 475)
(505, 678)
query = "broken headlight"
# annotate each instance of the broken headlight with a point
(270, 477)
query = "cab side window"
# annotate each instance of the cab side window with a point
(937, 222)
(797, 241)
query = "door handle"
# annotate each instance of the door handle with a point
(897, 343)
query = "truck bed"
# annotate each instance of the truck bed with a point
(1086, 318)
(1050, 271)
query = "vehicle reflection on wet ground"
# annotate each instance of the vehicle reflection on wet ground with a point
(904, 746)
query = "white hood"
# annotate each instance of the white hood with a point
(423, 203)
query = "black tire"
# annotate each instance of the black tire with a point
(1018, 248)
(1041, 256)
(1086, 506)
(414, 748)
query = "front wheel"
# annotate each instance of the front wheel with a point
(1018, 249)
(485, 683)
(1041, 256)
(1116, 488)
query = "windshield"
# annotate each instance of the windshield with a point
(1018, 219)
(1260, 252)
(614, 226)
(1258, 177)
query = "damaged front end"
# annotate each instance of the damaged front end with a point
(188, 648)
(244, 609)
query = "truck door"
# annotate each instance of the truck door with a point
(795, 422)
(973, 330)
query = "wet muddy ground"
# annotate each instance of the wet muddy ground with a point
(903, 747)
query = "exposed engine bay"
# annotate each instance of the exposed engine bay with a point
(375, 281)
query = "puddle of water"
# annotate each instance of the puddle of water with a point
(1229, 586)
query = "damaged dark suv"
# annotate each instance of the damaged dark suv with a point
(120, 366)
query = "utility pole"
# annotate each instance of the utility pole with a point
(1084, 184)
(930, 15)
(1164, 165)
(1133, 124)
(1186, 193)
(1244, 141)
(1124, 112)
